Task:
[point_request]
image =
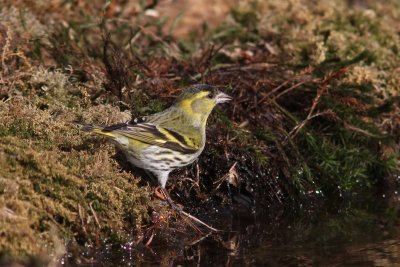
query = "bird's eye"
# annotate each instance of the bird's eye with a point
(210, 95)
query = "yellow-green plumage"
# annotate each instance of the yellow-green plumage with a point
(169, 139)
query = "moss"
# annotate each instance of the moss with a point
(19, 128)
(49, 82)
(48, 183)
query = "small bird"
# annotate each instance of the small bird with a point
(170, 139)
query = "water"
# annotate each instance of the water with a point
(342, 237)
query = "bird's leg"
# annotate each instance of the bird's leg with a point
(165, 197)
(180, 211)
(169, 200)
(162, 178)
(153, 177)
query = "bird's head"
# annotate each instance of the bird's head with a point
(199, 100)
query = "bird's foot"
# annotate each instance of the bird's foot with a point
(162, 194)
(158, 193)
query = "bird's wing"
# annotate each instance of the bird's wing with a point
(151, 134)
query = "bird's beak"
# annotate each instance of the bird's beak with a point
(222, 98)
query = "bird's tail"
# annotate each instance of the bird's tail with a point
(98, 129)
(86, 127)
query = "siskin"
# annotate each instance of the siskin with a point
(170, 139)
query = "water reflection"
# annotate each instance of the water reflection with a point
(384, 253)
(351, 237)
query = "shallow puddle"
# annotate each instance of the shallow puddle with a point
(345, 237)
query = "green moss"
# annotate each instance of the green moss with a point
(42, 180)
(265, 136)
(19, 128)
(258, 155)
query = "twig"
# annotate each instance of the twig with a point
(180, 211)
(358, 130)
(80, 213)
(206, 58)
(306, 71)
(151, 238)
(332, 114)
(295, 130)
(194, 242)
(6, 48)
(135, 55)
(199, 221)
(226, 68)
(94, 215)
(290, 89)
(225, 177)
(323, 88)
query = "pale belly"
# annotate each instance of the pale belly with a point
(158, 159)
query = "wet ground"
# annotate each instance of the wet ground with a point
(345, 236)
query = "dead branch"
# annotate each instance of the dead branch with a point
(323, 88)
